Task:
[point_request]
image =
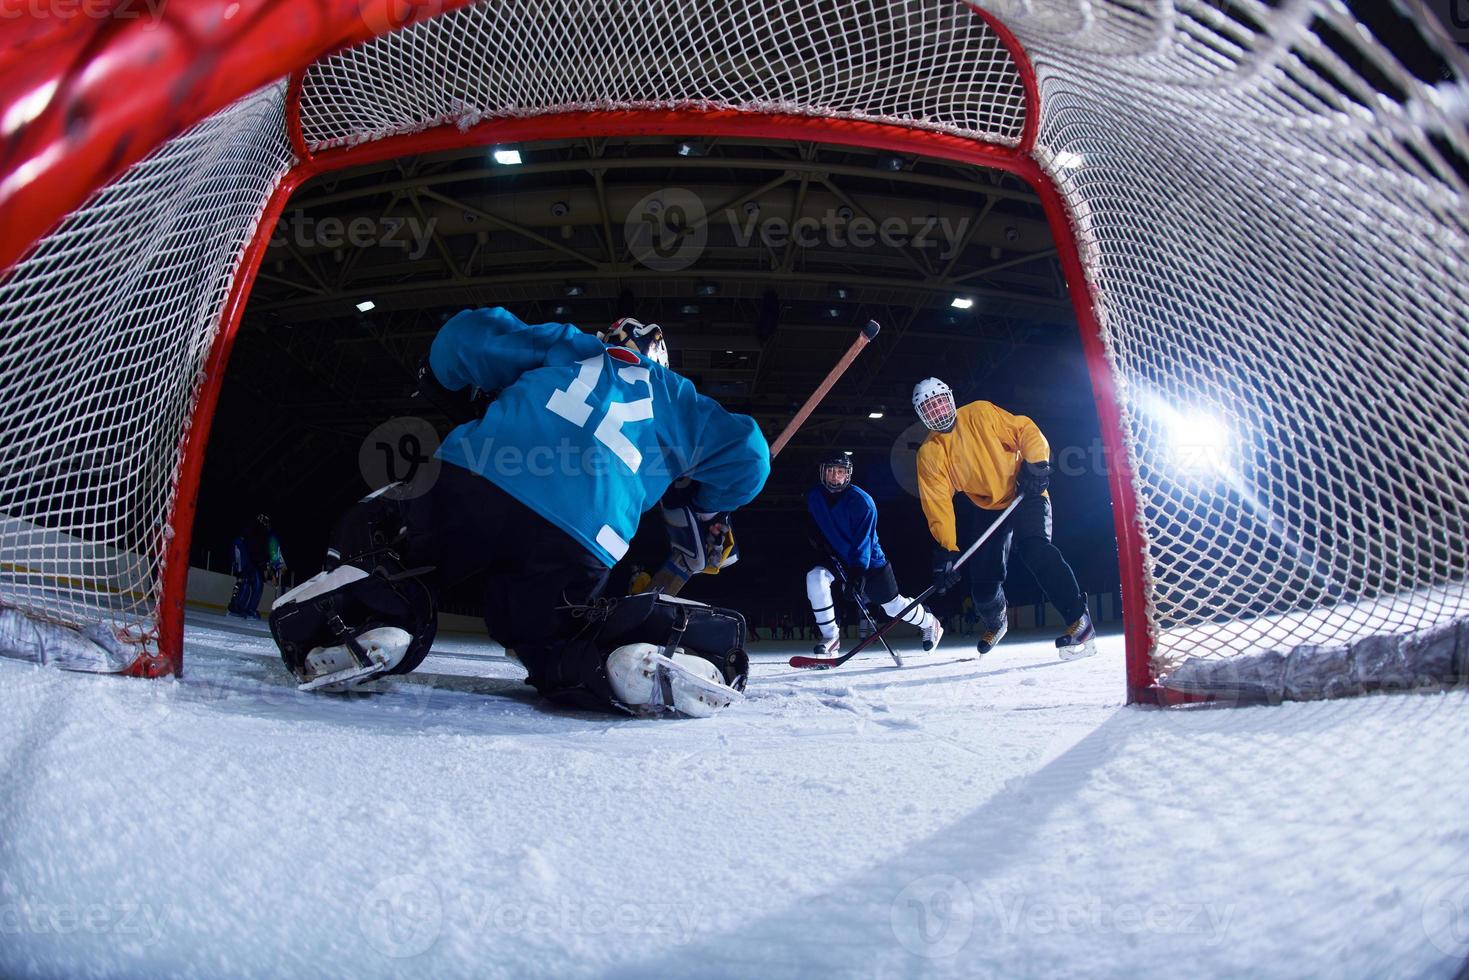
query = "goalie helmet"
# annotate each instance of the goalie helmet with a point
(645, 338)
(835, 472)
(934, 402)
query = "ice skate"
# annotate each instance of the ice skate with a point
(827, 648)
(932, 634)
(340, 668)
(648, 683)
(1079, 640)
(990, 636)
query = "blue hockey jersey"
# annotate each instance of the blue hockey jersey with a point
(589, 436)
(849, 525)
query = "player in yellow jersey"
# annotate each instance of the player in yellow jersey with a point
(989, 455)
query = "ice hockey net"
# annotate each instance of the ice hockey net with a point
(1261, 211)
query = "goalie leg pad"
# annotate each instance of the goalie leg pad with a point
(348, 625)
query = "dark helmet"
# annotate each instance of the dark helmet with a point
(835, 472)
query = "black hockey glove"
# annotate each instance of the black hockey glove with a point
(856, 587)
(460, 406)
(945, 575)
(1033, 478)
(717, 534)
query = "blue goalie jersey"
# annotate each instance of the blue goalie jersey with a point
(589, 436)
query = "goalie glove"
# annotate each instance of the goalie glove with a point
(467, 405)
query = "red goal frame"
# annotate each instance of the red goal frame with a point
(244, 56)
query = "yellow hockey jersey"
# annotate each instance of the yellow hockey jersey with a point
(979, 457)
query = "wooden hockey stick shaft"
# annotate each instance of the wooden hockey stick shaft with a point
(869, 332)
(672, 577)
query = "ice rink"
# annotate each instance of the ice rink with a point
(998, 817)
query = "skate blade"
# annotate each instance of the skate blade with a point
(341, 681)
(693, 696)
(1078, 651)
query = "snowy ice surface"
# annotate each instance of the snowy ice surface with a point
(1004, 817)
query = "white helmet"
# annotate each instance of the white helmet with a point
(934, 402)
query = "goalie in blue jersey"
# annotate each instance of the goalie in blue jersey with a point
(566, 439)
(844, 534)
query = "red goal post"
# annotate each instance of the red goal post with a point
(942, 79)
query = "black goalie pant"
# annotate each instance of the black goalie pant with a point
(491, 551)
(1029, 527)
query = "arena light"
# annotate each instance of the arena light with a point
(366, 306)
(506, 156)
(961, 303)
(1200, 443)
(874, 415)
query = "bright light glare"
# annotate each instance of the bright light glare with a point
(1199, 442)
(962, 303)
(366, 306)
(507, 158)
(874, 415)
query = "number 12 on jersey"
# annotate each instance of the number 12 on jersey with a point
(573, 403)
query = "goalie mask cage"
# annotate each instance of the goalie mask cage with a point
(1260, 210)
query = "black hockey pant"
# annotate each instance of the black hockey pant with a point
(1029, 525)
(490, 549)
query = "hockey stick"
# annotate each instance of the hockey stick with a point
(862, 607)
(673, 576)
(828, 662)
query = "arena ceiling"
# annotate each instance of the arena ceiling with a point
(770, 256)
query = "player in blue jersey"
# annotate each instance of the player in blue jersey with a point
(567, 438)
(844, 533)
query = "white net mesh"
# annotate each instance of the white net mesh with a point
(106, 327)
(1277, 233)
(1270, 204)
(920, 63)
